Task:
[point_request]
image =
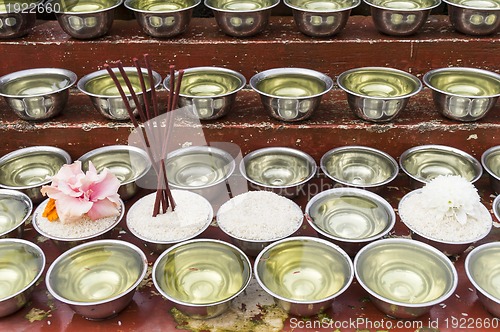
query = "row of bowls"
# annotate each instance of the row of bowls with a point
(244, 18)
(376, 94)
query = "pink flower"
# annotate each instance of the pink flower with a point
(77, 193)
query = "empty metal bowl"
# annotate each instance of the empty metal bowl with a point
(15, 209)
(425, 162)
(405, 278)
(318, 18)
(278, 169)
(28, 169)
(378, 94)
(476, 18)
(17, 18)
(37, 94)
(22, 264)
(490, 159)
(304, 275)
(463, 94)
(201, 287)
(127, 163)
(97, 279)
(86, 19)
(359, 166)
(241, 18)
(291, 94)
(483, 271)
(350, 217)
(210, 90)
(400, 18)
(162, 19)
(101, 89)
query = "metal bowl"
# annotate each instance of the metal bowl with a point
(241, 18)
(405, 278)
(378, 94)
(211, 90)
(496, 207)
(304, 275)
(350, 217)
(318, 18)
(28, 169)
(127, 163)
(37, 94)
(400, 18)
(97, 279)
(359, 166)
(14, 21)
(490, 159)
(291, 94)
(162, 19)
(425, 162)
(104, 95)
(199, 287)
(22, 265)
(15, 209)
(86, 19)
(281, 170)
(463, 94)
(483, 271)
(476, 18)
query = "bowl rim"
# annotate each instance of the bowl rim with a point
(364, 149)
(412, 77)
(104, 73)
(63, 12)
(354, 4)
(41, 269)
(496, 207)
(468, 272)
(452, 3)
(191, 243)
(331, 245)
(129, 4)
(425, 246)
(96, 243)
(118, 148)
(275, 72)
(464, 70)
(25, 199)
(412, 229)
(208, 3)
(33, 149)
(485, 155)
(278, 150)
(433, 5)
(359, 192)
(26, 73)
(440, 148)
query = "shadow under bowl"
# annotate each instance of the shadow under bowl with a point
(14, 21)
(490, 159)
(475, 18)
(15, 209)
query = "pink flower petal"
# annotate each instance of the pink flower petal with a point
(102, 209)
(107, 186)
(71, 209)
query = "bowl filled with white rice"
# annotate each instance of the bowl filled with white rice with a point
(256, 219)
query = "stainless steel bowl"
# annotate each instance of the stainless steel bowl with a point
(37, 94)
(318, 18)
(350, 217)
(199, 286)
(22, 264)
(281, 170)
(104, 95)
(241, 18)
(476, 18)
(291, 94)
(86, 19)
(304, 275)
(400, 18)
(15, 209)
(463, 94)
(162, 19)
(28, 169)
(405, 278)
(97, 279)
(496, 207)
(490, 159)
(16, 18)
(211, 90)
(129, 164)
(359, 166)
(483, 271)
(378, 94)
(425, 162)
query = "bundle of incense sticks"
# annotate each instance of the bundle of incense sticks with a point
(154, 139)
